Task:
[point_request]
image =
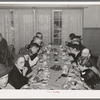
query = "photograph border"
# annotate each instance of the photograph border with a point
(51, 93)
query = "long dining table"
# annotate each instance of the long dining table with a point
(56, 81)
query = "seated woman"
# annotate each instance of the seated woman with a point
(17, 77)
(90, 78)
(4, 72)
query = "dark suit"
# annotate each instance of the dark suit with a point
(16, 79)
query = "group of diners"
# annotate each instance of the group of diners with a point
(17, 76)
(84, 60)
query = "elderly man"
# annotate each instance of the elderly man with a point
(86, 61)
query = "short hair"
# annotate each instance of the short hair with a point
(90, 77)
(34, 39)
(34, 45)
(17, 57)
(40, 34)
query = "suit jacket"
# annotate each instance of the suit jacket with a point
(16, 79)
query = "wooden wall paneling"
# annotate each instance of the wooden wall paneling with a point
(65, 26)
(5, 25)
(2, 22)
(75, 21)
(24, 27)
(8, 30)
(16, 29)
(91, 39)
(43, 24)
(72, 23)
(80, 16)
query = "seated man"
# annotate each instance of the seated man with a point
(17, 77)
(4, 71)
(86, 61)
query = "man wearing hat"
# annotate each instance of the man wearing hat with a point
(4, 71)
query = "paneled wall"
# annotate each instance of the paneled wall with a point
(5, 25)
(72, 22)
(92, 16)
(28, 21)
(43, 22)
(91, 29)
(23, 27)
(92, 39)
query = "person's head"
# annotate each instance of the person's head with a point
(75, 41)
(75, 48)
(90, 77)
(37, 40)
(1, 37)
(86, 52)
(78, 38)
(25, 52)
(19, 61)
(71, 36)
(34, 48)
(4, 71)
(39, 35)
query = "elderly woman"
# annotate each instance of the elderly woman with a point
(17, 77)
